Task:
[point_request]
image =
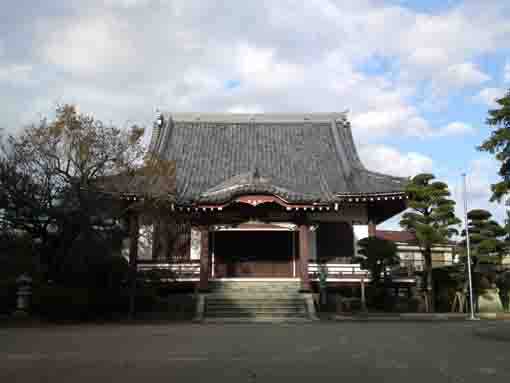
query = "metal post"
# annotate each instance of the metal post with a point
(472, 311)
(363, 297)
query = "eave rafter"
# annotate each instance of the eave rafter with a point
(256, 200)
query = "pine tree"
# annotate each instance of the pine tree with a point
(431, 217)
(487, 237)
(498, 144)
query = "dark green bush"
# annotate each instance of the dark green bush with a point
(62, 303)
(484, 284)
(147, 300)
(81, 304)
(106, 303)
(8, 291)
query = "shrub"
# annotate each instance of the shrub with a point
(57, 302)
(61, 303)
(484, 283)
(147, 300)
(8, 289)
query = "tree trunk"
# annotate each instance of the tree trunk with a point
(428, 282)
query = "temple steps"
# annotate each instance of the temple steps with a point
(257, 301)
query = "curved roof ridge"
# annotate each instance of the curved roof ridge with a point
(310, 158)
(253, 117)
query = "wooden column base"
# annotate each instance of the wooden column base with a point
(204, 260)
(304, 255)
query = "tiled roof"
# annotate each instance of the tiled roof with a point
(395, 235)
(298, 157)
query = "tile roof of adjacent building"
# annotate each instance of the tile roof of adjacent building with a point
(395, 235)
(302, 158)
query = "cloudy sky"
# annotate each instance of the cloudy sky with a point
(417, 77)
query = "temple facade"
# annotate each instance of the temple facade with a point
(266, 197)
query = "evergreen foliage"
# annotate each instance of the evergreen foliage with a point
(498, 144)
(487, 237)
(377, 255)
(431, 217)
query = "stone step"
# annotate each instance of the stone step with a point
(254, 303)
(254, 286)
(211, 308)
(253, 291)
(255, 297)
(237, 314)
(258, 319)
(255, 300)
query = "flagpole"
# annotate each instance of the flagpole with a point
(472, 310)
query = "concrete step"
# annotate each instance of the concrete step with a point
(255, 300)
(237, 314)
(259, 319)
(255, 297)
(255, 290)
(254, 286)
(249, 305)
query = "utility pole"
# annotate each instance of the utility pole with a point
(472, 309)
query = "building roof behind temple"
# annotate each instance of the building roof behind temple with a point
(301, 158)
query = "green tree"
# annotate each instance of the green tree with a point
(431, 217)
(48, 178)
(498, 144)
(506, 227)
(487, 237)
(377, 255)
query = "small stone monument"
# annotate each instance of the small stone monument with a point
(489, 301)
(24, 292)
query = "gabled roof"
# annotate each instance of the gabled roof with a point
(404, 236)
(300, 158)
(396, 235)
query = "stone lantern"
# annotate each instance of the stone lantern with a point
(24, 284)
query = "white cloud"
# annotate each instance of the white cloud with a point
(481, 173)
(488, 96)
(260, 67)
(454, 129)
(178, 55)
(465, 74)
(386, 159)
(89, 46)
(245, 109)
(398, 117)
(126, 3)
(16, 73)
(506, 71)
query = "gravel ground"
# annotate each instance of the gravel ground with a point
(363, 351)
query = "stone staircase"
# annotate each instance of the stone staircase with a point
(257, 301)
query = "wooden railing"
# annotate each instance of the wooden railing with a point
(180, 271)
(338, 271)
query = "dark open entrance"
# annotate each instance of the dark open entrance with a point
(253, 254)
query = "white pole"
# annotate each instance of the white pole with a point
(472, 310)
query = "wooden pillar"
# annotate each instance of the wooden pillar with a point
(156, 234)
(164, 236)
(304, 254)
(134, 230)
(204, 259)
(371, 229)
(293, 250)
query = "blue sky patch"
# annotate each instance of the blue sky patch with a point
(232, 84)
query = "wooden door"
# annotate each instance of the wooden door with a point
(253, 254)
